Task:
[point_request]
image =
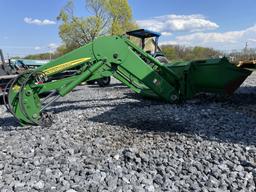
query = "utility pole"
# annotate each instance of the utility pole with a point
(246, 51)
(246, 47)
(51, 51)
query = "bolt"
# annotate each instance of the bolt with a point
(115, 55)
(34, 116)
(104, 60)
(25, 101)
(174, 97)
(28, 93)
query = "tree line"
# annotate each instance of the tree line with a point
(178, 52)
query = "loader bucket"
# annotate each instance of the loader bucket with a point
(211, 75)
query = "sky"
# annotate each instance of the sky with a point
(30, 26)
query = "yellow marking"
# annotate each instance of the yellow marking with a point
(16, 88)
(65, 66)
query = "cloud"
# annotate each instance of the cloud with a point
(29, 20)
(37, 48)
(252, 40)
(53, 46)
(168, 24)
(166, 33)
(225, 40)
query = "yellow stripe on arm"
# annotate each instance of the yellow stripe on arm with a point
(65, 66)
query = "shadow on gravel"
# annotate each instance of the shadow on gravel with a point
(244, 101)
(230, 120)
(206, 126)
(237, 100)
(8, 122)
(248, 90)
(224, 122)
(57, 103)
(143, 121)
(57, 110)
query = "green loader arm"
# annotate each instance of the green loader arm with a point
(118, 57)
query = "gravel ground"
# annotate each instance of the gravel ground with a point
(110, 139)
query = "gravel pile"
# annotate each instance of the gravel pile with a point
(110, 139)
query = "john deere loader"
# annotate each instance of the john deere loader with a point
(120, 58)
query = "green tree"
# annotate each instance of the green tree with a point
(77, 31)
(121, 17)
(108, 17)
(16, 57)
(170, 52)
(41, 56)
(177, 52)
(61, 50)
